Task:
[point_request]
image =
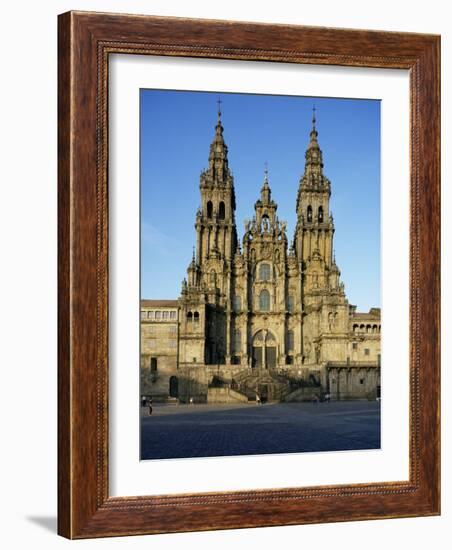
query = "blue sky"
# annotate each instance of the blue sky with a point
(176, 131)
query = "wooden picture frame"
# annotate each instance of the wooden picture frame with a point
(86, 40)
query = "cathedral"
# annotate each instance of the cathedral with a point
(259, 319)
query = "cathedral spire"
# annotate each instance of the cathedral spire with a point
(314, 232)
(313, 155)
(219, 109)
(218, 172)
(314, 134)
(313, 178)
(266, 191)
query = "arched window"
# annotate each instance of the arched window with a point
(189, 316)
(209, 209)
(355, 328)
(320, 217)
(237, 303)
(196, 317)
(264, 300)
(309, 213)
(221, 211)
(290, 303)
(237, 341)
(290, 340)
(264, 272)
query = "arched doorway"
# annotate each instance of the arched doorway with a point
(264, 350)
(174, 386)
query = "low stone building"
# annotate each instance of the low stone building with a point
(259, 318)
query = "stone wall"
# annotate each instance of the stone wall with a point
(159, 350)
(353, 382)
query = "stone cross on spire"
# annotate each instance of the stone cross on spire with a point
(314, 132)
(219, 107)
(265, 191)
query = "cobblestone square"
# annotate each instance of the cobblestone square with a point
(185, 431)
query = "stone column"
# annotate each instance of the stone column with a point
(198, 244)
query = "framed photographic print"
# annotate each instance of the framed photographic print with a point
(248, 275)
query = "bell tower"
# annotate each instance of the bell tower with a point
(215, 221)
(315, 229)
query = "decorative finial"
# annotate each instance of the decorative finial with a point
(193, 255)
(313, 117)
(219, 107)
(266, 172)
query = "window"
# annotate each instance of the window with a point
(221, 211)
(209, 209)
(189, 316)
(320, 216)
(264, 272)
(153, 364)
(367, 351)
(172, 314)
(355, 345)
(212, 277)
(264, 301)
(237, 341)
(237, 303)
(158, 314)
(196, 317)
(309, 213)
(290, 304)
(151, 314)
(144, 314)
(290, 340)
(361, 380)
(165, 314)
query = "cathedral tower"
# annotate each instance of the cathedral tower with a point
(208, 291)
(315, 226)
(325, 307)
(215, 221)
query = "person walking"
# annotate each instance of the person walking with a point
(150, 406)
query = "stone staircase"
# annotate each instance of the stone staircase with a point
(267, 384)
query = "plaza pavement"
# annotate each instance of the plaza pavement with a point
(184, 431)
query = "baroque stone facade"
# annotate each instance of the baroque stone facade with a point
(258, 317)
